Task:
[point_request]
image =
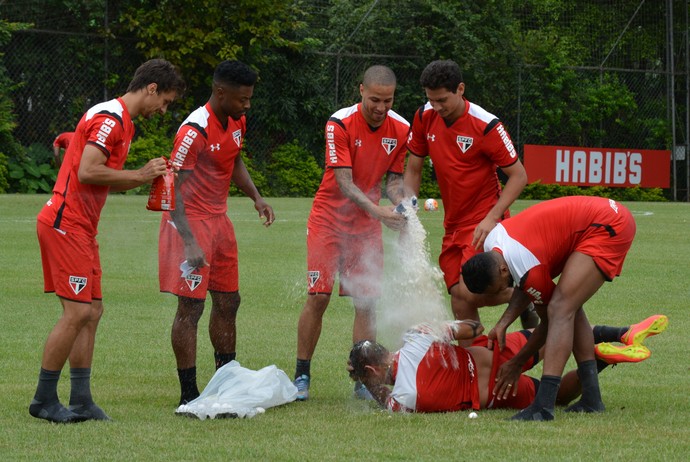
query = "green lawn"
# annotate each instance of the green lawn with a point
(134, 377)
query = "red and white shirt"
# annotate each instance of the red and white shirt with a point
(465, 156)
(537, 242)
(203, 147)
(370, 153)
(75, 206)
(432, 374)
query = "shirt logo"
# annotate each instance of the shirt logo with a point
(215, 147)
(358, 143)
(389, 144)
(464, 142)
(429, 137)
(536, 295)
(312, 277)
(77, 283)
(237, 136)
(193, 281)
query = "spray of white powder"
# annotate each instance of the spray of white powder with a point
(412, 292)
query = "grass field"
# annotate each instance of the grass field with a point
(134, 377)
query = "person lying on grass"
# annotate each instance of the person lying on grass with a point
(431, 373)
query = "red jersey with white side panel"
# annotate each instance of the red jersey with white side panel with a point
(75, 206)
(370, 153)
(537, 242)
(465, 156)
(432, 374)
(207, 150)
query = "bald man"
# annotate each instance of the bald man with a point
(364, 143)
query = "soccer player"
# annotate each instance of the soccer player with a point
(584, 240)
(197, 246)
(465, 143)
(61, 142)
(67, 227)
(364, 143)
(430, 373)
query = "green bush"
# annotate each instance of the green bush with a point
(4, 173)
(32, 172)
(293, 172)
(428, 187)
(154, 140)
(539, 191)
(257, 176)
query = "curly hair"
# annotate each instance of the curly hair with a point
(479, 272)
(235, 73)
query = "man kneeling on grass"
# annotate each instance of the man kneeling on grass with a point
(430, 373)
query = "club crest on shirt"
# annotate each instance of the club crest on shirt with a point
(193, 281)
(237, 136)
(389, 144)
(464, 142)
(312, 277)
(77, 283)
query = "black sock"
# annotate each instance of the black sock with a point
(223, 358)
(303, 367)
(189, 390)
(80, 379)
(587, 372)
(46, 391)
(601, 365)
(608, 333)
(547, 392)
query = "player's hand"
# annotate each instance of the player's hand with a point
(507, 380)
(194, 255)
(265, 211)
(153, 169)
(497, 335)
(481, 231)
(392, 219)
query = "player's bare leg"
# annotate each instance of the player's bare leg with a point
(184, 338)
(308, 333)
(364, 328)
(80, 360)
(222, 328)
(60, 342)
(579, 280)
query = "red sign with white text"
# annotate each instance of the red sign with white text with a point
(598, 166)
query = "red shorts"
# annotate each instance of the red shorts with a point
(455, 251)
(608, 243)
(357, 259)
(216, 237)
(71, 264)
(526, 385)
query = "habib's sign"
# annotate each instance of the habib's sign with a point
(598, 166)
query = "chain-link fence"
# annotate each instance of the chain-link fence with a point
(655, 93)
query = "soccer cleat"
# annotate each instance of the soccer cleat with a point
(613, 354)
(651, 326)
(55, 412)
(361, 392)
(302, 384)
(89, 411)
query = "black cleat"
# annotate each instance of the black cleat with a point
(55, 412)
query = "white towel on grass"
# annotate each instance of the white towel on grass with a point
(235, 391)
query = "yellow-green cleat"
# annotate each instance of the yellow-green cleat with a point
(614, 354)
(651, 326)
